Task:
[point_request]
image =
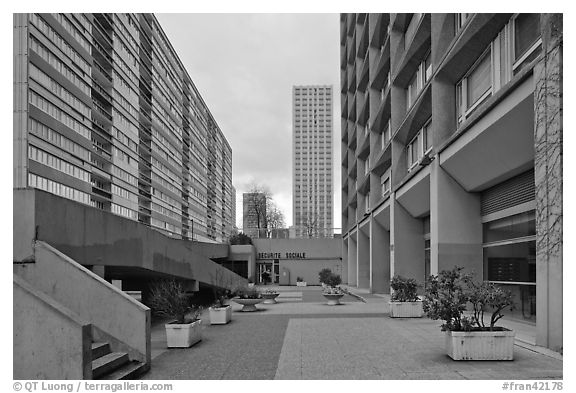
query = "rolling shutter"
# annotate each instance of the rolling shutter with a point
(512, 192)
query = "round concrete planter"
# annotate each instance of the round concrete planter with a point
(333, 298)
(248, 305)
(183, 335)
(406, 309)
(220, 315)
(480, 345)
(270, 298)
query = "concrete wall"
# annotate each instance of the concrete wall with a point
(93, 237)
(548, 167)
(352, 260)
(319, 254)
(379, 259)
(364, 256)
(455, 225)
(244, 252)
(91, 297)
(50, 341)
(407, 244)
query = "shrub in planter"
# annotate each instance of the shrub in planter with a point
(323, 275)
(169, 298)
(467, 337)
(248, 297)
(404, 302)
(270, 296)
(220, 312)
(332, 291)
(300, 282)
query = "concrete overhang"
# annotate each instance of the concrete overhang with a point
(382, 215)
(414, 195)
(498, 146)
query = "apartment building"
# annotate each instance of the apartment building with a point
(312, 185)
(106, 114)
(452, 153)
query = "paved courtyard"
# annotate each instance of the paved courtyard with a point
(302, 338)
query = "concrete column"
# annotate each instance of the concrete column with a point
(548, 139)
(455, 225)
(364, 256)
(379, 259)
(345, 260)
(406, 244)
(352, 261)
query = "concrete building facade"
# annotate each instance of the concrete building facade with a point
(106, 114)
(452, 153)
(312, 181)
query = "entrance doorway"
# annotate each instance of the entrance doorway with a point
(273, 269)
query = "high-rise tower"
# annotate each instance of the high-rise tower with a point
(312, 161)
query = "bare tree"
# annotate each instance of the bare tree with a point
(274, 217)
(257, 199)
(310, 223)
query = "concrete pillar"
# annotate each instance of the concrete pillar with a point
(406, 243)
(455, 225)
(344, 260)
(352, 261)
(548, 139)
(364, 256)
(379, 259)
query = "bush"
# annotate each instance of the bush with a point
(448, 294)
(169, 298)
(324, 274)
(405, 289)
(299, 279)
(240, 239)
(333, 280)
(245, 292)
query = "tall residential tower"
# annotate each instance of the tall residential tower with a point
(312, 182)
(105, 114)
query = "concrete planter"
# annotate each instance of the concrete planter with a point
(220, 315)
(333, 298)
(406, 309)
(300, 283)
(480, 345)
(248, 305)
(270, 298)
(183, 335)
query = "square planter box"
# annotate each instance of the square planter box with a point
(183, 335)
(406, 309)
(300, 283)
(220, 315)
(480, 345)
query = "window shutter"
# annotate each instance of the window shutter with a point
(512, 192)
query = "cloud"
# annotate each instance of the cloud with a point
(244, 66)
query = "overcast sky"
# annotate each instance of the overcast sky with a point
(244, 66)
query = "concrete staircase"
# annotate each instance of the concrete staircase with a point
(110, 365)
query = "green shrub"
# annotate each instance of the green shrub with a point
(333, 280)
(169, 298)
(404, 289)
(324, 274)
(245, 292)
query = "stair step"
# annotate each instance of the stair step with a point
(100, 349)
(131, 370)
(108, 363)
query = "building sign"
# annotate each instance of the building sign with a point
(280, 255)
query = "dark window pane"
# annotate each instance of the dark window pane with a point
(526, 32)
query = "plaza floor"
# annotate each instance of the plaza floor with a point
(303, 338)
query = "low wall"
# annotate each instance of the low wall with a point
(91, 297)
(50, 341)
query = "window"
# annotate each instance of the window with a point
(386, 135)
(420, 145)
(517, 44)
(461, 20)
(385, 180)
(421, 77)
(527, 42)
